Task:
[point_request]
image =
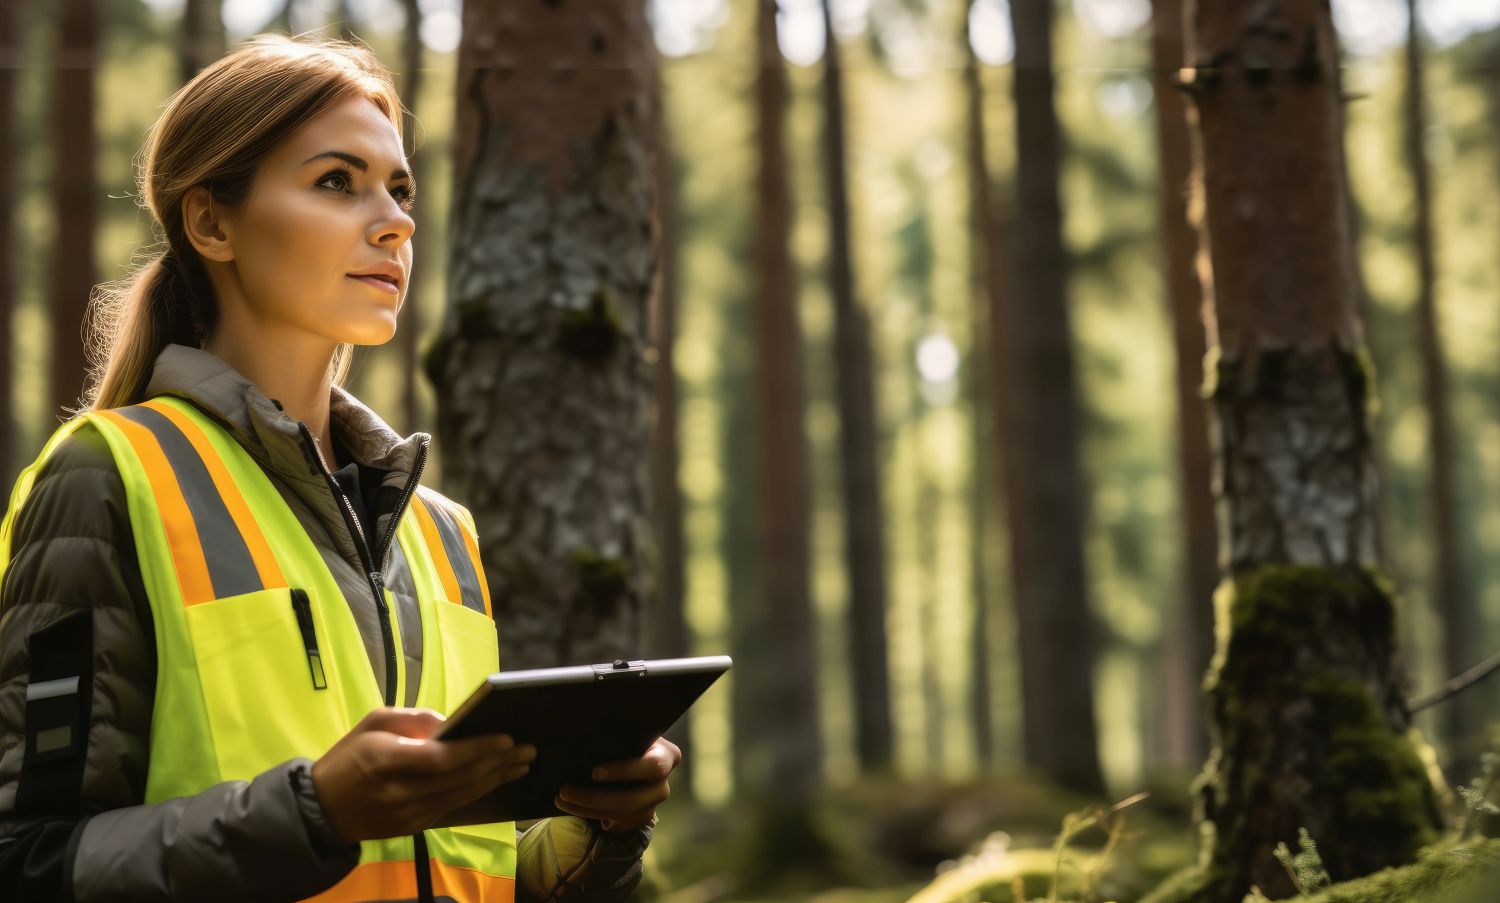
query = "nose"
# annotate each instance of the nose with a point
(393, 226)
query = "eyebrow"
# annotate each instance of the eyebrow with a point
(360, 164)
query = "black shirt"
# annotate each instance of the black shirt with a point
(359, 484)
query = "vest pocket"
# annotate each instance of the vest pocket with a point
(470, 650)
(252, 653)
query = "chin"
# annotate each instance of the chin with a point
(377, 331)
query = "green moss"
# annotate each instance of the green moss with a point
(1445, 872)
(1308, 733)
(592, 332)
(1196, 883)
(1276, 375)
(601, 580)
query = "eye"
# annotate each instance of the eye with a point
(342, 172)
(405, 196)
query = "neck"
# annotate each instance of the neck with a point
(289, 366)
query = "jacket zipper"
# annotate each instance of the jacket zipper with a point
(372, 572)
(309, 638)
(421, 864)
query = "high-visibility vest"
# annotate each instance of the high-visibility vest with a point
(259, 659)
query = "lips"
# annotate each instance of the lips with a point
(384, 283)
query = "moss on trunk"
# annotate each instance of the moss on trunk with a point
(1310, 731)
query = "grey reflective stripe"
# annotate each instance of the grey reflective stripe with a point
(46, 689)
(458, 554)
(398, 574)
(230, 566)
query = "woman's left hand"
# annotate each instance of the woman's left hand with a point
(624, 808)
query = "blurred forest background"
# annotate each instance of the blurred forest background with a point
(915, 738)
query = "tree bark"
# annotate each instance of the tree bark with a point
(859, 442)
(283, 17)
(788, 717)
(1053, 618)
(987, 292)
(342, 16)
(410, 331)
(1448, 582)
(1189, 641)
(202, 39)
(74, 185)
(542, 385)
(1308, 700)
(669, 628)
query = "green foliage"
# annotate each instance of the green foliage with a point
(1305, 867)
(1068, 872)
(1443, 873)
(1477, 796)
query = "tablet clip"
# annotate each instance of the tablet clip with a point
(620, 668)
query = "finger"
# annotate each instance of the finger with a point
(655, 765)
(612, 799)
(406, 722)
(610, 816)
(472, 783)
(417, 759)
(434, 792)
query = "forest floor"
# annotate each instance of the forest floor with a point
(1000, 841)
(884, 842)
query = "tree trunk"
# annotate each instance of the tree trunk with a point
(1309, 714)
(410, 331)
(10, 163)
(859, 442)
(73, 193)
(929, 501)
(1053, 617)
(788, 717)
(1448, 583)
(542, 385)
(202, 40)
(669, 628)
(342, 16)
(283, 17)
(986, 292)
(1189, 641)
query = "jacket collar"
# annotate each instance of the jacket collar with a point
(275, 440)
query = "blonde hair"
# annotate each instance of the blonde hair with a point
(215, 131)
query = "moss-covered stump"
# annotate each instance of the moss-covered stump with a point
(1310, 731)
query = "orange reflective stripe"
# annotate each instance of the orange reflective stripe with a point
(397, 880)
(271, 576)
(452, 529)
(182, 533)
(435, 550)
(463, 883)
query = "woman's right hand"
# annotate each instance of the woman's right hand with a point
(385, 778)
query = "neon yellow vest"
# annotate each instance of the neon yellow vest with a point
(259, 658)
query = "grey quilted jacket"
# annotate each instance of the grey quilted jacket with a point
(73, 565)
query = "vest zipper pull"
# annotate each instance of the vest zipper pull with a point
(303, 608)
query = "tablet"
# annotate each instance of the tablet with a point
(576, 717)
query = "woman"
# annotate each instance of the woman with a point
(207, 565)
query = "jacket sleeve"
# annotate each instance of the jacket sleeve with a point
(73, 581)
(567, 859)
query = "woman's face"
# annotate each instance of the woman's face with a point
(331, 201)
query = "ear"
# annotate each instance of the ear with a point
(203, 225)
